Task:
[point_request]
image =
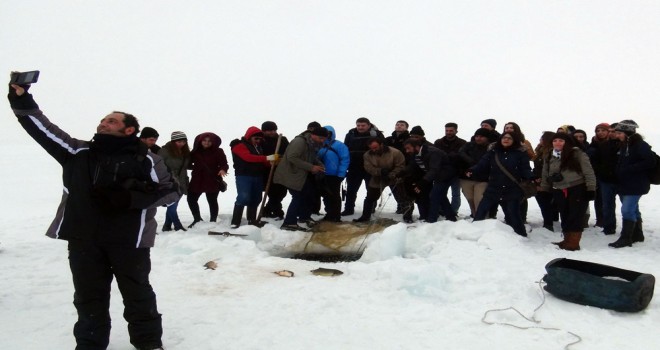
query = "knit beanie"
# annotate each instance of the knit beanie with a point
(627, 126)
(148, 132)
(491, 122)
(417, 130)
(483, 132)
(268, 126)
(313, 125)
(178, 135)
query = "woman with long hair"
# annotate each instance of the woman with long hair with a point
(176, 155)
(208, 161)
(634, 162)
(505, 157)
(568, 175)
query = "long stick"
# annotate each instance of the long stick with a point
(270, 179)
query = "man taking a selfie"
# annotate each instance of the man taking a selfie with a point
(112, 187)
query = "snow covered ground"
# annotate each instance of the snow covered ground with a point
(223, 66)
(422, 287)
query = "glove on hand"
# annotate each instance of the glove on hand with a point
(273, 157)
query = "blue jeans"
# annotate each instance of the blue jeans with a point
(249, 190)
(300, 207)
(171, 216)
(630, 207)
(438, 201)
(608, 194)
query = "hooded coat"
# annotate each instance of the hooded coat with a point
(335, 155)
(249, 160)
(206, 163)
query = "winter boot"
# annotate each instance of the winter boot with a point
(252, 217)
(626, 235)
(638, 234)
(571, 241)
(563, 241)
(167, 226)
(236, 216)
(195, 220)
(366, 211)
(178, 226)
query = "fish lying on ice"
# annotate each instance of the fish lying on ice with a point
(284, 273)
(326, 272)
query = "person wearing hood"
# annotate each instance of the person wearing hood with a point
(208, 164)
(635, 161)
(112, 187)
(250, 166)
(176, 155)
(568, 175)
(356, 141)
(335, 157)
(502, 189)
(296, 172)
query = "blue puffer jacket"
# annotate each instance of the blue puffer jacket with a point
(632, 169)
(500, 186)
(334, 155)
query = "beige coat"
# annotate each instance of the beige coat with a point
(391, 159)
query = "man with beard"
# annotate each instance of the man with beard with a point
(112, 187)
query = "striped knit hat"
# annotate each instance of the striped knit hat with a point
(179, 135)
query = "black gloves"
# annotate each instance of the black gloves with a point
(111, 198)
(23, 102)
(590, 195)
(384, 172)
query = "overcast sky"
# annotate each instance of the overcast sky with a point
(225, 65)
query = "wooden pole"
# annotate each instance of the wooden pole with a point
(270, 179)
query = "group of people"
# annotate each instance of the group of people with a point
(489, 170)
(114, 183)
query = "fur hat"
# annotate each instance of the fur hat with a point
(320, 131)
(627, 126)
(268, 126)
(417, 130)
(178, 135)
(491, 122)
(148, 132)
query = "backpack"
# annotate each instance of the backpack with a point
(654, 174)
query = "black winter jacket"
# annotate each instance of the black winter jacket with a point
(113, 165)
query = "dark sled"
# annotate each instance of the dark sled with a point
(599, 285)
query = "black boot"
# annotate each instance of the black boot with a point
(179, 227)
(236, 216)
(366, 211)
(626, 235)
(638, 234)
(252, 217)
(195, 220)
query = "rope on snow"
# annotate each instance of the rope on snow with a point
(531, 319)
